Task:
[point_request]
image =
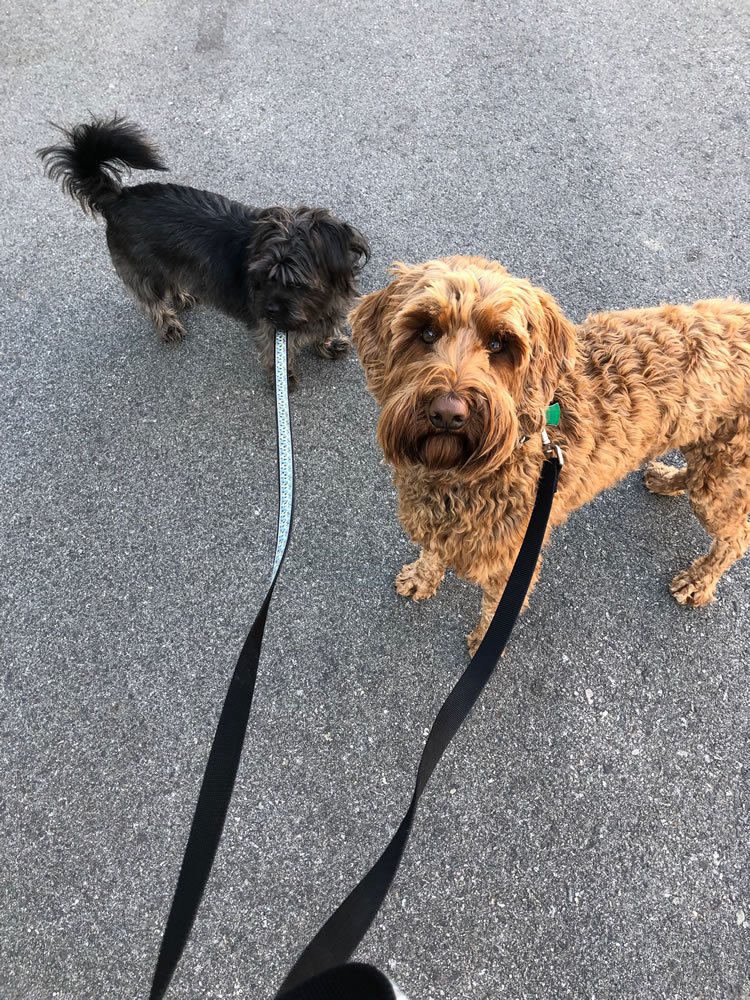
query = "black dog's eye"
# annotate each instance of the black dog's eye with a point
(429, 336)
(495, 345)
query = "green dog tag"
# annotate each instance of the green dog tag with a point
(552, 415)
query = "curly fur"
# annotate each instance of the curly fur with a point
(175, 246)
(631, 385)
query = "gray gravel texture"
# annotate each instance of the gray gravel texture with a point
(587, 834)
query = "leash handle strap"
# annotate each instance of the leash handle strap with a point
(226, 749)
(354, 981)
(337, 939)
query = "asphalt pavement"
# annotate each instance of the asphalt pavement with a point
(588, 833)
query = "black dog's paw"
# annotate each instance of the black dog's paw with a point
(184, 301)
(333, 348)
(173, 333)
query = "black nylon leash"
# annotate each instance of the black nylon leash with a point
(226, 750)
(337, 939)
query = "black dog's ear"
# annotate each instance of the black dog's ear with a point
(345, 247)
(358, 247)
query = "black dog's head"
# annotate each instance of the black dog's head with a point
(303, 266)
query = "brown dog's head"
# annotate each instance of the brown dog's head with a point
(463, 359)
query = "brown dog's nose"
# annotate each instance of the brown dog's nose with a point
(448, 412)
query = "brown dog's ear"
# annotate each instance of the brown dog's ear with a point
(560, 341)
(371, 327)
(553, 353)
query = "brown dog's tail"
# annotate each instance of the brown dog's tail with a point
(90, 163)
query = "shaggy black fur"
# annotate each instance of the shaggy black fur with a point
(175, 246)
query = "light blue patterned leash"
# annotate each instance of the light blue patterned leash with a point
(286, 457)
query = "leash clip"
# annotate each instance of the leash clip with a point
(552, 449)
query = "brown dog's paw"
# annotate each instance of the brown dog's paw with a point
(413, 582)
(663, 479)
(690, 588)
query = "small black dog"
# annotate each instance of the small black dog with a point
(175, 246)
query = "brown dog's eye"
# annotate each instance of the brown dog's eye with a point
(429, 336)
(495, 345)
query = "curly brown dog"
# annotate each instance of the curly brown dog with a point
(464, 359)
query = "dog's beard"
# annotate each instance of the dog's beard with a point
(444, 451)
(486, 441)
(293, 315)
(289, 307)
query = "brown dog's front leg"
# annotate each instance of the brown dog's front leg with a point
(421, 579)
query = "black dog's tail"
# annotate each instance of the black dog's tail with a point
(90, 164)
